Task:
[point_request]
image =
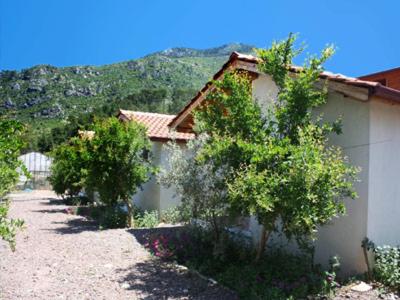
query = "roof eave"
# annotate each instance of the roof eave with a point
(386, 93)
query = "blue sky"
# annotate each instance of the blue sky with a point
(72, 32)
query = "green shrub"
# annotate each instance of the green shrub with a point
(11, 168)
(118, 163)
(387, 266)
(107, 217)
(69, 168)
(8, 227)
(146, 219)
(77, 200)
(278, 275)
(173, 215)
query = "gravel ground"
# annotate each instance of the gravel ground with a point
(346, 293)
(62, 256)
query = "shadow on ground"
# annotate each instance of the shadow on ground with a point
(75, 226)
(141, 234)
(51, 211)
(53, 201)
(154, 279)
(162, 280)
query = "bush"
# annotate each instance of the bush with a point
(8, 227)
(278, 275)
(118, 162)
(173, 215)
(69, 168)
(146, 219)
(11, 168)
(77, 201)
(387, 266)
(107, 217)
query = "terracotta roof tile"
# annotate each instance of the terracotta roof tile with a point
(156, 124)
(374, 88)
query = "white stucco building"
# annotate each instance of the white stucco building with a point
(371, 139)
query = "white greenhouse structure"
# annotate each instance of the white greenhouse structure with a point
(38, 165)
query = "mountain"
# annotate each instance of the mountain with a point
(44, 96)
(46, 92)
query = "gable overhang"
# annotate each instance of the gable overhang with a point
(358, 89)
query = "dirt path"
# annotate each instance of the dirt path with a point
(61, 256)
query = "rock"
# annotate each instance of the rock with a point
(9, 103)
(37, 85)
(362, 287)
(16, 86)
(125, 285)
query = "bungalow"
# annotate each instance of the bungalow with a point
(370, 110)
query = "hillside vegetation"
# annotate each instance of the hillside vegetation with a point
(46, 97)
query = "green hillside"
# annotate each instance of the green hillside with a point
(45, 96)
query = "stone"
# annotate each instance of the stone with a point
(362, 287)
(16, 86)
(125, 285)
(9, 103)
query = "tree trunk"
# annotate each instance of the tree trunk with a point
(130, 220)
(263, 241)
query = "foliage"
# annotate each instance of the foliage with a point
(69, 167)
(10, 169)
(115, 162)
(119, 161)
(79, 200)
(8, 227)
(201, 189)
(173, 215)
(11, 144)
(279, 163)
(107, 217)
(147, 219)
(387, 266)
(46, 96)
(278, 275)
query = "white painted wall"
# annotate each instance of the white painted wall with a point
(153, 196)
(371, 140)
(168, 197)
(264, 91)
(384, 188)
(343, 237)
(148, 197)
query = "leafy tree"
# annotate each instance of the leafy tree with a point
(118, 161)
(69, 167)
(281, 166)
(206, 199)
(11, 144)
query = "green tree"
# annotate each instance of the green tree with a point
(206, 199)
(69, 167)
(119, 162)
(281, 165)
(11, 167)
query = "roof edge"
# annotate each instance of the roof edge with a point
(374, 88)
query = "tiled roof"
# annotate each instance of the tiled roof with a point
(156, 124)
(374, 88)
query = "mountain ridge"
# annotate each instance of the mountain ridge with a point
(45, 96)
